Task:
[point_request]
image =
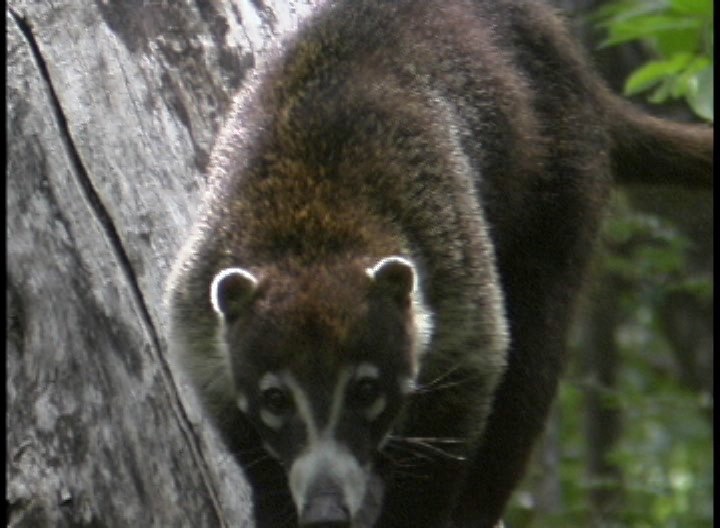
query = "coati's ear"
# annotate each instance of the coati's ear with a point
(396, 277)
(231, 291)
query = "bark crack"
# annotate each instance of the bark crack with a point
(116, 245)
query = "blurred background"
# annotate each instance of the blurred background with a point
(629, 443)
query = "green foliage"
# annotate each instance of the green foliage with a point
(650, 254)
(666, 449)
(680, 34)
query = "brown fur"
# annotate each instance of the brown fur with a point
(466, 135)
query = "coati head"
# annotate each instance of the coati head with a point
(322, 358)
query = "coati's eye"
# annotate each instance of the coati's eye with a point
(276, 400)
(364, 392)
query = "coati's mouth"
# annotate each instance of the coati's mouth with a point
(328, 485)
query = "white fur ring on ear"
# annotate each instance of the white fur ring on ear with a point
(393, 262)
(229, 285)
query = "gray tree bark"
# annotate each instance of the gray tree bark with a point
(112, 111)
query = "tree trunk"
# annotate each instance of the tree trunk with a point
(603, 417)
(112, 110)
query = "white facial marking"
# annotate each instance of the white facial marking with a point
(367, 370)
(376, 408)
(273, 421)
(323, 455)
(328, 458)
(302, 404)
(270, 381)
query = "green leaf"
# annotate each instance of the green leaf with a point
(682, 85)
(663, 92)
(703, 8)
(625, 9)
(654, 71)
(685, 84)
(668, 43)
(699, 64)
(646, 27)
(701, 99)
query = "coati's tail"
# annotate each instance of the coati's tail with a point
(646, 149)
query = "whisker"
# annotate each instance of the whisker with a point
(426, 443)
(440, 378)
(248, 464)
(434, 439)
(409, 450)
(442, 382)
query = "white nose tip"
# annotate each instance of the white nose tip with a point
(325, 504)
(328, 486)
(327, 510)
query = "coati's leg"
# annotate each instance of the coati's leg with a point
(422, 500)
(541, 275)
(429, 457)
(421, 488)
(516, 421)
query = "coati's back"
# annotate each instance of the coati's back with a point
(378, 292)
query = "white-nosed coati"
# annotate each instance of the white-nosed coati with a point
(378, 293)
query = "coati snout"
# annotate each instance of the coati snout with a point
(322, 360)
